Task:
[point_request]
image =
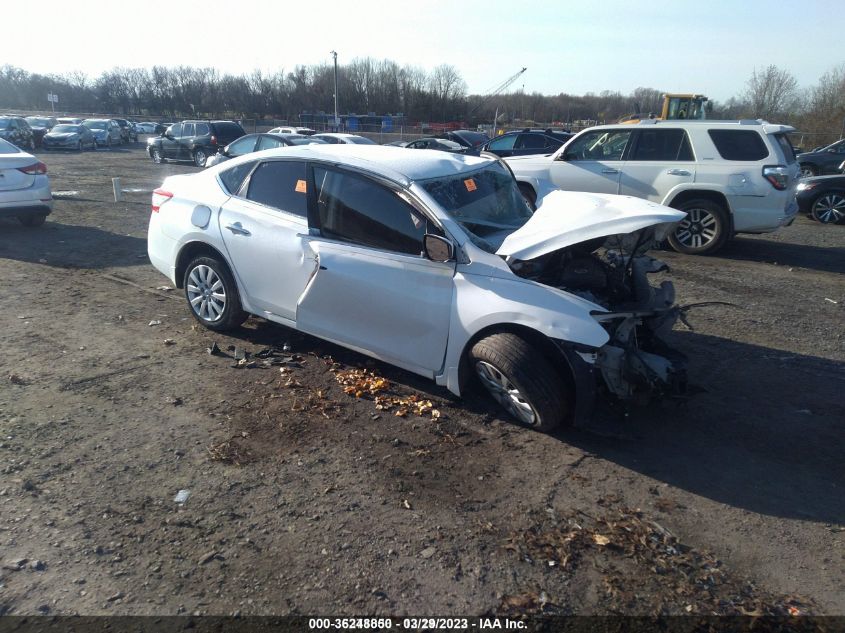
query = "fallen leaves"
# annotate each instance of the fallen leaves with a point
(365, 383)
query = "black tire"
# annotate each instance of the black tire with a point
(231, 315)
(32, 220)
(155, 154)
(79, 146)
(829, 207)
(108, 143)
(527, 192)
(32, 145)
(705, 230)
(808, 171)
(200, 157)
(538, 396)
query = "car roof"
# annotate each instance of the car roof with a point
(395, 163)
(768, 128)
(337, 134)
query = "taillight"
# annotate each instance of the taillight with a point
(35, 169)
(160, 196)
(777, 175)
(213, 140)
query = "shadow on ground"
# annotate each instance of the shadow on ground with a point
(828, 259)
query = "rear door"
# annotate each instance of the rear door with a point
(659, 161)
(592, 161)
(186, 141)
(170, 144)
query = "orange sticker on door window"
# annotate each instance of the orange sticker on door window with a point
(469, 183)
(300, 186)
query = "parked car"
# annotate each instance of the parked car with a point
(148, 127)
(470, 139)
(442, 144)
(823, 197)
(339, 138)
(526, 142)
(70, 120)
(24, 186)
(397, 144)
(193, 140)
(40, 126)
(127, 130)
(288, 129)
(106, 131)
(826, 160)
(65, 136)
(431, 262)
(16, 130)
(728, 176)
(258, 142)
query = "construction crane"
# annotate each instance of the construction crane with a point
(496, 91)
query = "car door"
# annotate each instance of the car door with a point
(374, 290)
(660, 159)
(528, 143)
(186, 141)
(592, 161)
(502, 145)
(170, 142)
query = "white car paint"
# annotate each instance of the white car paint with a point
(22, 193)
(405, 309)
(343, 138)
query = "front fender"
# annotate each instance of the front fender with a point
(482, 302)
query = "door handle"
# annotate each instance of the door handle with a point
(610, 171)
(237, 229)
(678, 172)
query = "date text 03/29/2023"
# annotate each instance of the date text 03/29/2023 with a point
(446, 624)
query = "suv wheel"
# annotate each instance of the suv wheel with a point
(519, 378)
(808, 171)
(155, 154)
(705, 229)
(829, 208)
(200, 157)
(212, 294)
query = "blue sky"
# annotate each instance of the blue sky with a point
(710, 47)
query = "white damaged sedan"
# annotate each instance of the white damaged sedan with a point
(432, 262)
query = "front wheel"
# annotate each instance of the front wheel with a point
(200, 157)
(79, 146)
(808, 171)
(527, 192)
(829, 208)
(522, 380)
(155, 154)
(213, 295)
(705, 229)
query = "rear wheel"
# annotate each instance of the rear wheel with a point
(200, 157)
(213, 295)
(705, 229)
(32, 220)
(522, 380)
(808, 171)
(829, 208)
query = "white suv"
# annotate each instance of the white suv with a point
(729, 176)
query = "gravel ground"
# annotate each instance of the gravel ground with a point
(305, 499)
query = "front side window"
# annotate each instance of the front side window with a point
(502, 142)
(599, 145)
(662, 145)
(176, 130)
(241, 147)
(268, 142)
(354, 209)
(280, 184)
(743, 145)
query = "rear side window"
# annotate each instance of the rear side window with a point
(786, 147)
(280, 184)
(662, 145)
(233, 178)
(187, 129)
(745, 145)
(531, 141)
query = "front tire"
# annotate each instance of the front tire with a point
(200, 157)
(212, 294)
(829, 208)
(155, 154)
(522, 380)
(527, 192)
(704, 231)
(79, 146)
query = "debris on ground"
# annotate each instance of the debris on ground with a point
(365, 383)
(169, 341)
(155, 322)
(16, 379)
(182, 496)
(213, 349)
(228, 452)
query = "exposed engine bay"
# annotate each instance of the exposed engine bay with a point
(612, 272)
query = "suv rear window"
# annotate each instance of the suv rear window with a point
(227, 132)
(786, 147)
(739, 144)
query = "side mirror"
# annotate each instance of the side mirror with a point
(438, 249)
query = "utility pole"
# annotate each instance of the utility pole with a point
(336, 120)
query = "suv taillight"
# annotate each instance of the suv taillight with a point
(160, 196)
(213, 140)
(777, 175)
(35, 169)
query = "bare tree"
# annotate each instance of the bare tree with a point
(772, 93)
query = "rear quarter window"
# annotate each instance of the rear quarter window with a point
(785, 145)
(739, 145)
(233, 177)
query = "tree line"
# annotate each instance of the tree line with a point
(369, 85)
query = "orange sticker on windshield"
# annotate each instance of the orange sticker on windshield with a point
(469, 183)
(300, 186)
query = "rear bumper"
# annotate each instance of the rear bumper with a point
(35, 200)
(23, 211)
(764, 220)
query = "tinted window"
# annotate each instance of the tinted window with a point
(188, 129)
(599, 145)
(662, 145)
(268, 142)
(242, 146)
(329, 139)
(360, 140)
(503, 142)
(203, 129)
(357, 210)
(280, 184)
(233, 178)
(176, 129)
(786, 147)
(739, 144)
(531, 141)
(227, 132)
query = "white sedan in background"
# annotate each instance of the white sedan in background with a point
(339, 138)
(24, 186)
(432, 262)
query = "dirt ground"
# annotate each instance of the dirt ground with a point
(305, 499)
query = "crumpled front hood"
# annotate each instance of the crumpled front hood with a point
(566, 218)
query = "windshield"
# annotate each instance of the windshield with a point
(360, 140)
(37, 122)
(486, 203)
(5, 122)
(95, 125)
(65, 129)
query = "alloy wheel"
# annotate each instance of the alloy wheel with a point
(206, 293)
(698, 229)
(829, 208)
(505, 393)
